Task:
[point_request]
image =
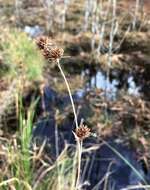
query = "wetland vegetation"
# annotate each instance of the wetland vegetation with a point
(74, 94)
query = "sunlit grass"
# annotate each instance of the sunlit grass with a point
(19, 50)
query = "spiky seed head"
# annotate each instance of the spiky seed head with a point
(83, 132)
(48, 49)
(41, 41)
(53, 52)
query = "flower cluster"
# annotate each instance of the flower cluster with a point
(82, 132)
(42, 41)
(48, 49)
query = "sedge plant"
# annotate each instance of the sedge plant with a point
(81, 132)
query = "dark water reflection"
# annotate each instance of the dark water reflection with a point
(100, 164)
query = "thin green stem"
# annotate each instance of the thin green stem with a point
(69, 91)
(74, 171)
(79, 143)
(126, 161)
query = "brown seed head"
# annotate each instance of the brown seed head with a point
(52, 52)
(42, 41)
(83, 132)
(48, 49)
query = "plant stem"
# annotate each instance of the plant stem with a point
(69, 91)
(79, 143)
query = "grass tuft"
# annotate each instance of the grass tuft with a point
(19, 50)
